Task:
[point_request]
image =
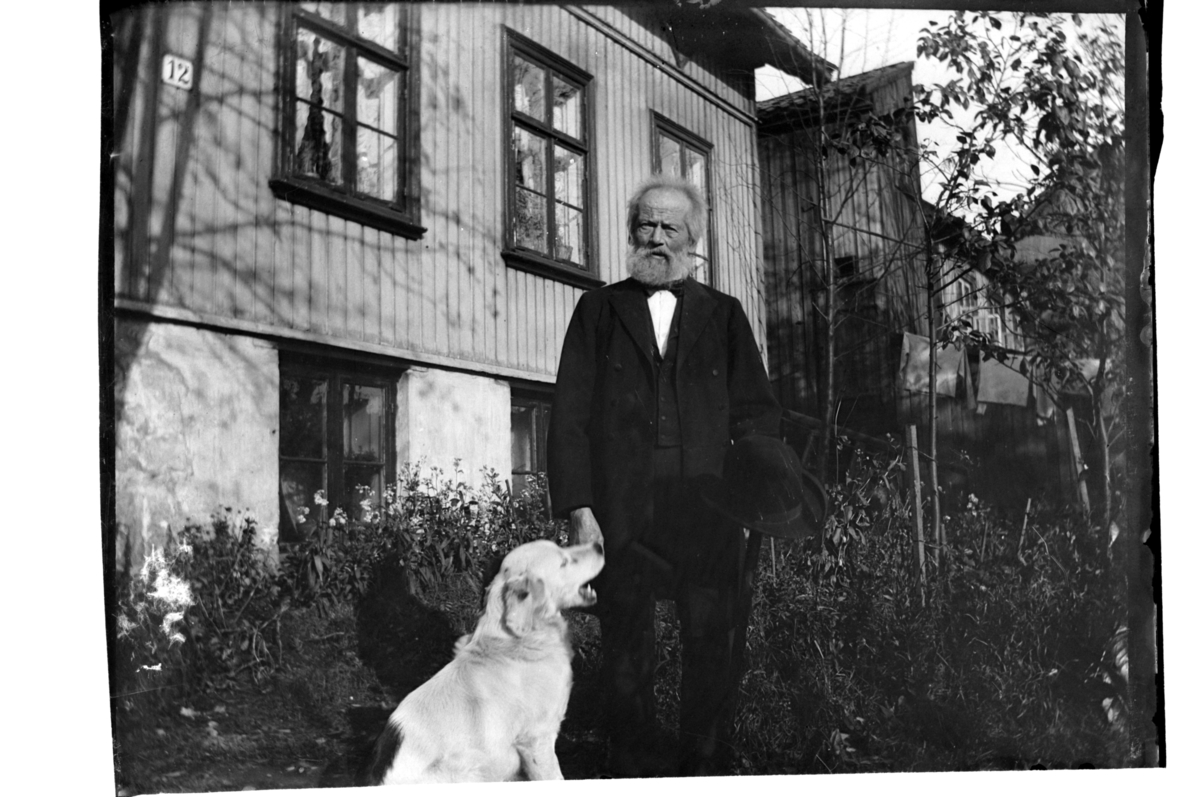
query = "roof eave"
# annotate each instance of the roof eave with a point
(788, 54)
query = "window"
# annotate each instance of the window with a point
(856, 286)
(530, 423)
(967, 296)
(548, 201)
(679, 153)
(348, 142)
(336, 435)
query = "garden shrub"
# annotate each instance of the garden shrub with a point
(205, 611)
(850, 668)
(200, 613)
(233, 625)
(429, 527)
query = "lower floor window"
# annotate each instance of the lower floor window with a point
(530, 422)
(336, 444)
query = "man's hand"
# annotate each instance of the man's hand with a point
(584, 528)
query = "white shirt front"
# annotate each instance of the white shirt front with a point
(662, 310)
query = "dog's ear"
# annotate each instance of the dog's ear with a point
(524, 602)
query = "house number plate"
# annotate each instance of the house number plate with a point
(177, 72)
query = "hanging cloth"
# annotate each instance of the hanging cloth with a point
(914, 366)
(1003, 383)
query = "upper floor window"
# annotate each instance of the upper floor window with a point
(549, 208)
(967, 295)
(677, 152)
(348, 138)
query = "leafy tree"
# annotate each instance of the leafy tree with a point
(1049, 89)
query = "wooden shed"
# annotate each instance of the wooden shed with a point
(869, 209)
(863, 214)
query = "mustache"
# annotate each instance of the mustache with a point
(649, 270)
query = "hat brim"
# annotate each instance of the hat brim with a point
(802, 522)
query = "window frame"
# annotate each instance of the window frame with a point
(661, 128)
(524, 258)
(540, 400)
(968, 295)
(401, 216)
(337, 373)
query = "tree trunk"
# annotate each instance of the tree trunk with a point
(935, 529)
(830, 308)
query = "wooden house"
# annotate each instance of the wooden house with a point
(855, 224)
(350, 236)
(857, 219)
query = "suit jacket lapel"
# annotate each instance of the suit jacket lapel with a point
(629, 302)
(698, 308)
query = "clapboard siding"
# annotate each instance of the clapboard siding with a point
(200, 234)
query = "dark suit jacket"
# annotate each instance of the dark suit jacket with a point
(601, 435)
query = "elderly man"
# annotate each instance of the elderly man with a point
(659, 374)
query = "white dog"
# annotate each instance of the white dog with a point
(493, 712)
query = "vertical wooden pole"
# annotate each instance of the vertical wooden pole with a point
(1024, 525)
(1079, 469)
(914, 464)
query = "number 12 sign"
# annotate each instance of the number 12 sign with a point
(177, 72)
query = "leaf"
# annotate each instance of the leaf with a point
(995, 23)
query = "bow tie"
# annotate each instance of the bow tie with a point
(675, 288)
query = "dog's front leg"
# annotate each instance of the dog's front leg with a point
(539, 761)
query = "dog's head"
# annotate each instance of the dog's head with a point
(538, 580)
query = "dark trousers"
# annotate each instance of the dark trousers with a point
(693, 557)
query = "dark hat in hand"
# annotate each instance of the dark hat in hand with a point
(765, 489)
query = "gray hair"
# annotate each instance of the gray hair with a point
(695, 220)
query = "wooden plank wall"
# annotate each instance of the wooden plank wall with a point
(871, 220)
(1012, 457)
(208, 241)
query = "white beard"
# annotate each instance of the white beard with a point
(652, 271)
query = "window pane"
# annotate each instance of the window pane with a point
(529, 154)
(318, 132)
(569, 234)
(335, 12)
(568, 108)
(529, 221)
(700, 274)
(377, 96)
(520, 482)
(568, 177)
(320, 69)
(376, 170)
(668, 154)
(694, 171)
(363, 483)
(363, 419)
(529, 83)
(319, 151)
(380, 23)
(522, 439)
(298, 482)
(302, 417)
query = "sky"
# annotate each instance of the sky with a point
(861, 39)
